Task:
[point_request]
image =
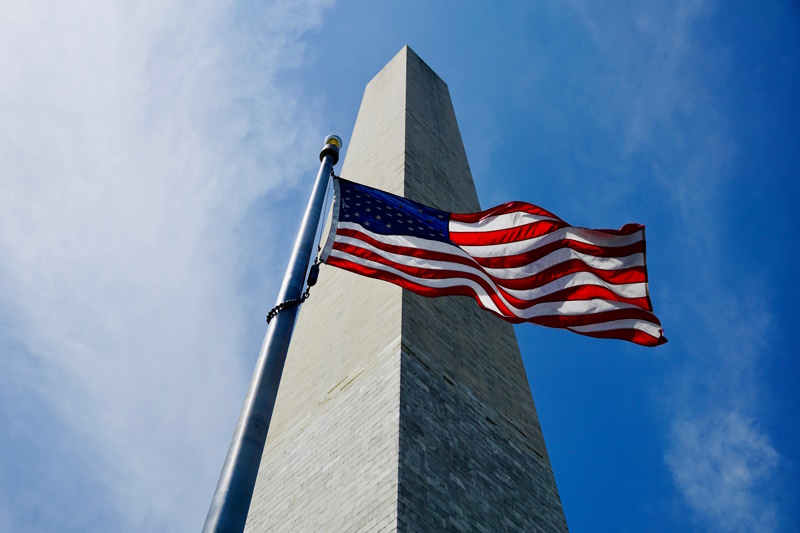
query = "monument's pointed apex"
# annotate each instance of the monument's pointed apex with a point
(406, 124)
(398, 412)
(409, 55)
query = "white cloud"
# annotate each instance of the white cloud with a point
(645, 49)
(719, 455)
(725, 466)
(134, 138)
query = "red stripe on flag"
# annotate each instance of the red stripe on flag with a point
(633, 335)
(513, 261)
(566, 321)
(510, 207)
(529, 231)
(504, 236)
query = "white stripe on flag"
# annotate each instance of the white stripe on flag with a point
(575, 234)
(499, 222)
(650, 328)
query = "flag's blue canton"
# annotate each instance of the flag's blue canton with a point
(387, 214)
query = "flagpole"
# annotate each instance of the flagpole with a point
(231, 501)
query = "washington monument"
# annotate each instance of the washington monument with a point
(397, 412)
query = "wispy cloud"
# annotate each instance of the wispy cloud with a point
(134, 138)
(719, 454)
(723, 462)
(656, 70)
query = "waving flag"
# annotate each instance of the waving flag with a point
(517, 260)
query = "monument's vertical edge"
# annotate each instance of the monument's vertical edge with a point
(330, 461)
(472, 455)
(397, 412)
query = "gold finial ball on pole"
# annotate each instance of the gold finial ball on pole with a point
(333, 143)
(334, 140)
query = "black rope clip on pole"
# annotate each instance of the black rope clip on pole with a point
(313, 276)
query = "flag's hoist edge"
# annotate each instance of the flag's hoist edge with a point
(516, 260)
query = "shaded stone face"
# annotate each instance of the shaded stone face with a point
(398, 412)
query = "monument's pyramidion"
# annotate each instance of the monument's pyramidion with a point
(397, 412)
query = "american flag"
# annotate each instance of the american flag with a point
(516, 260)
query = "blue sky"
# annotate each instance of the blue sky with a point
(155, 159)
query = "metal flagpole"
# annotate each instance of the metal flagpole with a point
(231, 501)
